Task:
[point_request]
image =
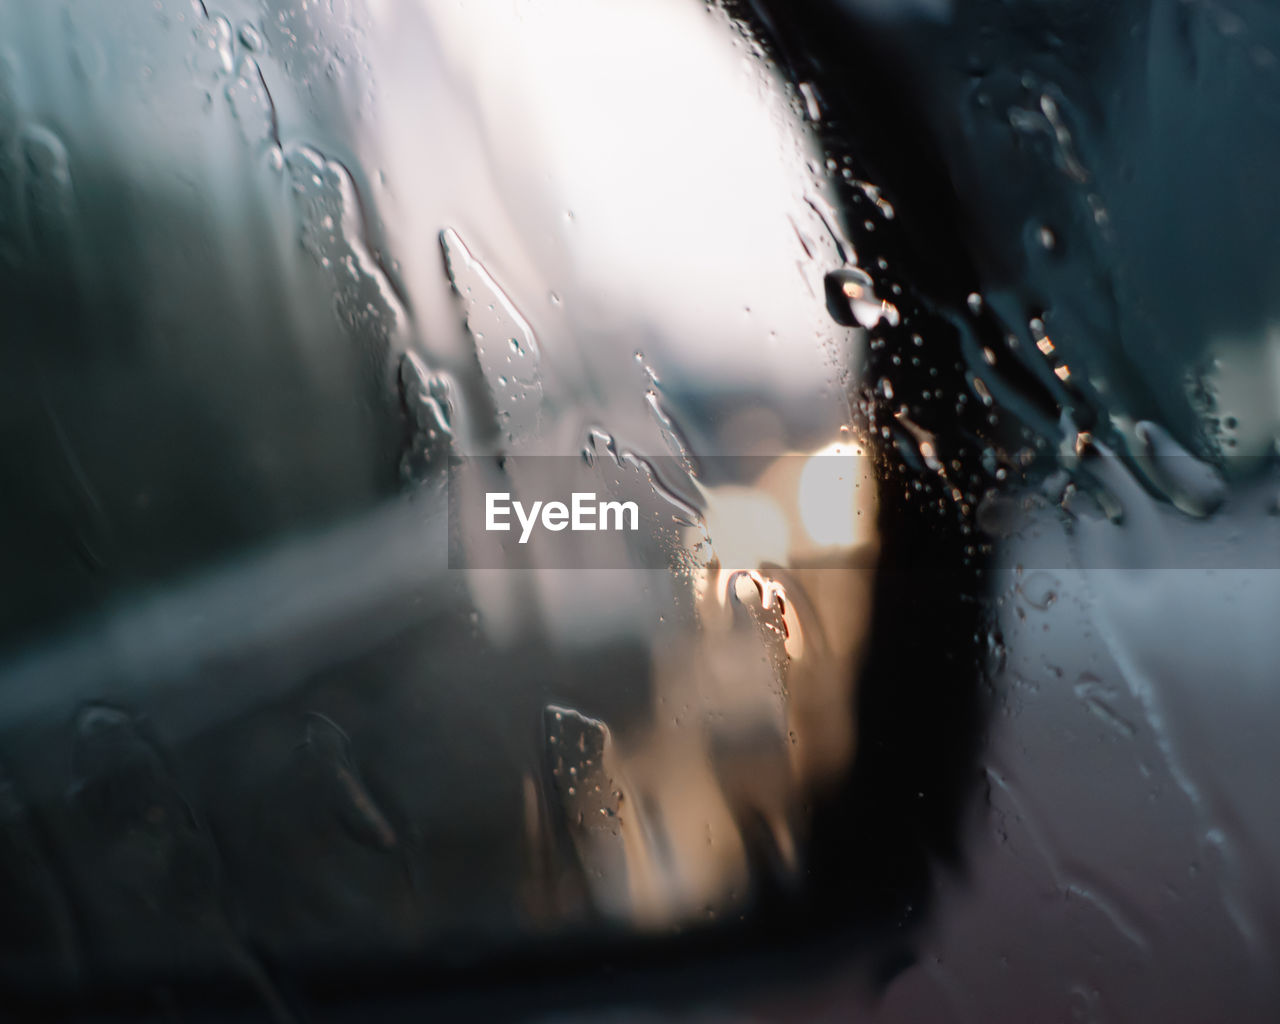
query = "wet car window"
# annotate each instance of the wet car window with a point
(650, 509)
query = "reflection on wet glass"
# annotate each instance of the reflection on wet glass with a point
(289, 287)
(332, 270)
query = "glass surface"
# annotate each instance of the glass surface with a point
(931, 345)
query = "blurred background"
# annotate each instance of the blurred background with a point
(934, 341)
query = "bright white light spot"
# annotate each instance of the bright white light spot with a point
(827, 495)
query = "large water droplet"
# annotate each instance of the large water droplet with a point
(1193, 486)
(333, 232)
(251, 104)
(589, 794)
(812, 105)
(427, 399)
(250, 38)
(852, 299)
(504, 341)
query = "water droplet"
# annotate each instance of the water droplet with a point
(852, 301)
(1194, 487)
(215, 47)
(427, 401)
(489, 313)
(365, 298)
(917, 441)
(671, 434)
(590, 796)
(251, 104)
(812, 105)
(250, 39)
(222, 28)
(873, 193)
